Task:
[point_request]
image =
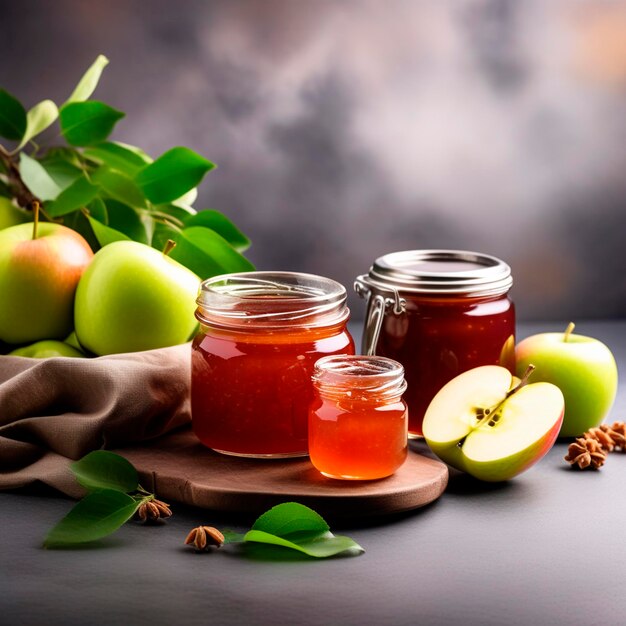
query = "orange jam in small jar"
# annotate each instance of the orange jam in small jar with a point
(358, 421)
(440, 313)
(252, 359)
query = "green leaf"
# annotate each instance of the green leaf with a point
(172, 175)
(12, 117)
(89, 81)
(104, 234)
(63, 172)
(295, 526)
(38, 119)
(87, 123)
(105, 470)
(126, 220)
(207, 254)
(222, 226)
(187, 199)
(116, 157)
(318, 546)
(97, 515)
(38, 181)
(119, 186)
(79, 194)
(290, 517)
(161, 234)
(10, 215)
(98, 210)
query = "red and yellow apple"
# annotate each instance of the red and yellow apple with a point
(38, 279)
(491, 425)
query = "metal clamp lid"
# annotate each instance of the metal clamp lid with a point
(437, 273)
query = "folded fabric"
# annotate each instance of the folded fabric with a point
(56, 410)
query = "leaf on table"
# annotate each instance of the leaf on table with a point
(97, 515)
(319, 546)
(105, 234)
(38, 119)
(37, 179)
(290, 517)
(105, 470)
(12, 117)
(87, 123)
(117, 157)
(207, 254)
(78, 195)
(119, 186)
(126, 220)
(218, 222)
(89, 81)
(172, 175)
(297, 527)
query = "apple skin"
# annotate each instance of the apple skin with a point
(495, 382)
(38, 279)
(10, 215)
(583, 368)
(48, 348)
(133, 297)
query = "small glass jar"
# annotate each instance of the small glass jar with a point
(440, 313)
(253, 356)
(358, 420)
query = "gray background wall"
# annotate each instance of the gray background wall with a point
(344, 130)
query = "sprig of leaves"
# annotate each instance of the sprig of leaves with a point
(107, 190)
(294, 526)
(114, 497)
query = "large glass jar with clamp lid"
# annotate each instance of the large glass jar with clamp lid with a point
(440, 313)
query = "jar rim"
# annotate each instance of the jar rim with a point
(271, 299)
(345, 374)
(440, 272)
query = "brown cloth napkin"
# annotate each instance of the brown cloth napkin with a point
(59, 409)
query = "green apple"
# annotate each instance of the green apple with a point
(584, 370)
(40, 265)
(133, 297)
(10, 215)
(47, 348)
(483, 424)
(72, 340)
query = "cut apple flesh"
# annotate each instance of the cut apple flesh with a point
(452, 414)
(523, 419)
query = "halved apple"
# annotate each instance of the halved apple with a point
(491, 425)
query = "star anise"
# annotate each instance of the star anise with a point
(586, 452)
(602, 434)
(152, 511)
(203, 537)
(617, 432)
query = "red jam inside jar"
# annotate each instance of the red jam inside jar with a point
(439, 313)
(358, 420)
(252, 359)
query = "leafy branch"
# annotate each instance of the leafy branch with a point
(107, 190)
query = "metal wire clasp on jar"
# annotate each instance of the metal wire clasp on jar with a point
(440, 313)
(253, 356)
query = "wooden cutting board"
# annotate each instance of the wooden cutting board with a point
(178, 467)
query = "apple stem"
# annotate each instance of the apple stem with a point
(169, 246)
(568, 331)
(36, 207)
(489, 413)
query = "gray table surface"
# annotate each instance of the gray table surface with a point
(545, 548)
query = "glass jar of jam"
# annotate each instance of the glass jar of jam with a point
(252, 359)
(358, 420)
(440, 313)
